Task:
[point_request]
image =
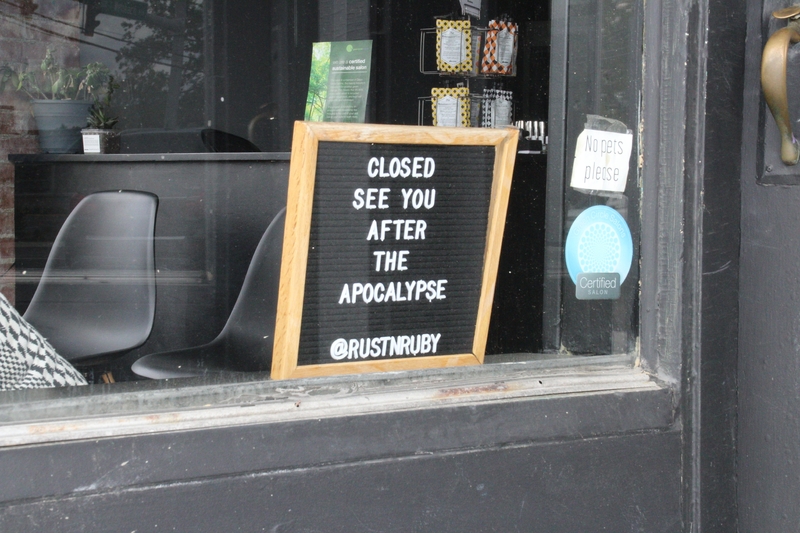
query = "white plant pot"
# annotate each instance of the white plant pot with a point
(96, 141)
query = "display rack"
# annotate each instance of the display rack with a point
(478, 36)
(533, 139)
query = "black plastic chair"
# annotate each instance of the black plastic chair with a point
(97, 293)
(245, 343)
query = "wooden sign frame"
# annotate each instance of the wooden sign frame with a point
(302, 177)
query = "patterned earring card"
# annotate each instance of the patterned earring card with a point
(500, 50)
(497, 108)
(453, 45)
(451, 106)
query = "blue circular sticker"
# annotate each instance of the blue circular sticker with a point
(599, 241)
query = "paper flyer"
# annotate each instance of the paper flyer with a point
(338, 85)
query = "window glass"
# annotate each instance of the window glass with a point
(203, 95)
(603, 79)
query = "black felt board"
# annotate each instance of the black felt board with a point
(339, 253)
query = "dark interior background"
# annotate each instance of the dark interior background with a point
(245, 72)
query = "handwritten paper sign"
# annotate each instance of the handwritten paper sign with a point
(601, 162)
(392, 240)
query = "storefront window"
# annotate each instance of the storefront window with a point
(203, 96)
(603, 93)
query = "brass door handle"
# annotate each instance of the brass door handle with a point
(773, 80)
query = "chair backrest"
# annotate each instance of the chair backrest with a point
(248, 334)
(97, 293)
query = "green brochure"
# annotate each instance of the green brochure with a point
(339, 82)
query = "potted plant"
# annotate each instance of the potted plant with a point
(99, 137)
(60, 98)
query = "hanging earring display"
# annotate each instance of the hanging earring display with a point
(500, 50)
(453, 45)
(450, 106)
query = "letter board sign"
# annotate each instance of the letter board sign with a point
(391, 246)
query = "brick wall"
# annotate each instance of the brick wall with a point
(26, 31)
